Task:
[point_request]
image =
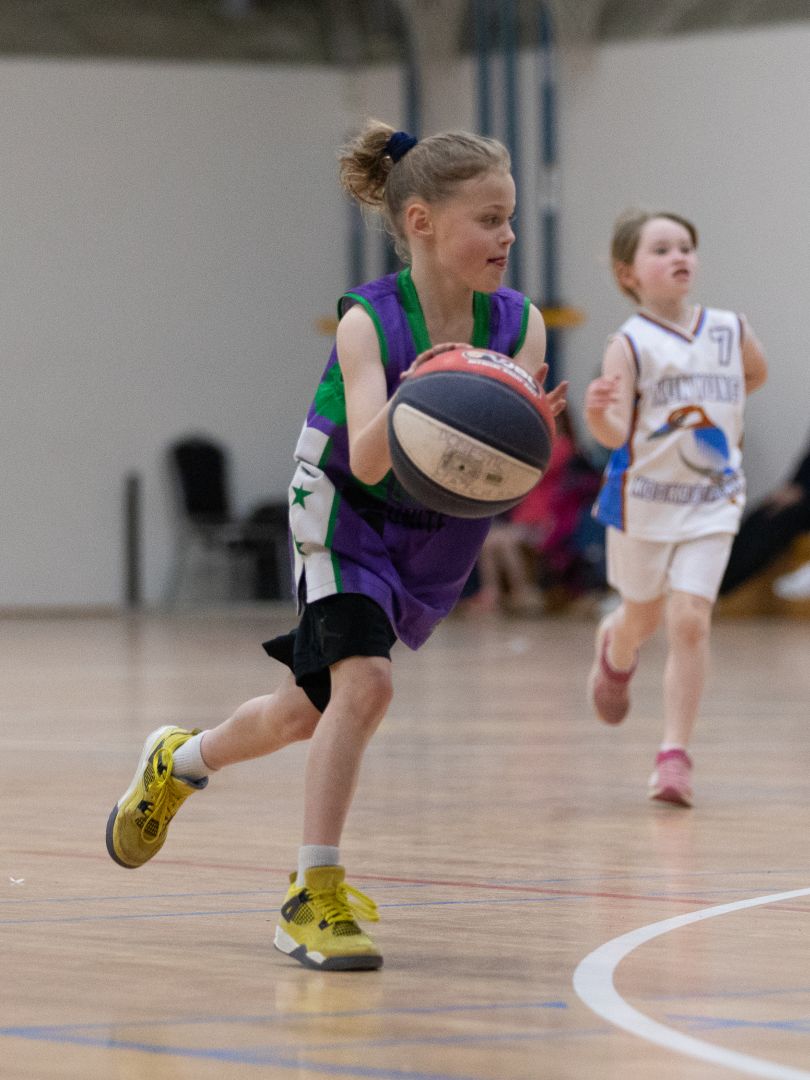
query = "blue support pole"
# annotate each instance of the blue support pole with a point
(547, 188)
(356, 233)
(356, 245)
(509, 22)
(411, 113)
(412, 90)
(482, 48)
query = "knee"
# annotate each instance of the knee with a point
(302, 726)
(299, 715)
(376, 689)
(363, 687)
(689, 627)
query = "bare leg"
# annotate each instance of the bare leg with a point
(361, 693)
(688, 626)
(630, 626)
(261, 726)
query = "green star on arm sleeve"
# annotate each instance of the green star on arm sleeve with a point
(300, 494)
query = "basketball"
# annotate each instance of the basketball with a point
(470, 433)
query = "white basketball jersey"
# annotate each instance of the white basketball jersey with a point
(678, 476)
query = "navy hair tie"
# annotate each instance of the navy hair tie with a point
(399, 144)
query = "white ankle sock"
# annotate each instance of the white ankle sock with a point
(310, 855)
(666, 746)
(189, 764)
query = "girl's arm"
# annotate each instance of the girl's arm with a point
(532, 358)
(533, 350)
(755, 366)
(367, 401)
(609, 399)
(366, 395)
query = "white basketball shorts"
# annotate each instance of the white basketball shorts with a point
(644, 570)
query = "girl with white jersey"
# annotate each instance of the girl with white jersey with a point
(669, 405)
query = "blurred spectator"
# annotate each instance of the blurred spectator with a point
(770, 529)
(548, 542)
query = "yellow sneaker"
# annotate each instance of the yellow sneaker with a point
(317, 925)
(137, 826)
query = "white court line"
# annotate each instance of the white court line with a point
(593, 982)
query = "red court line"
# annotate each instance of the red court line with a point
(533, 890)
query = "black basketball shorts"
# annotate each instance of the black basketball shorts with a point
(331, 629)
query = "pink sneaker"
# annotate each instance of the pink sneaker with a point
(672, 779)
(608, 688)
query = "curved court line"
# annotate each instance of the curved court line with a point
(593, 982)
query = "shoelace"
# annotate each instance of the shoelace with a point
(165, 803)
(344, 904)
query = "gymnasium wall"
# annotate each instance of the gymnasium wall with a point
(170, 234)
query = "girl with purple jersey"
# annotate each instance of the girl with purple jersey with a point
(669, 404)
(372, 565)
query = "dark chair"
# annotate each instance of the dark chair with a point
(211, 536)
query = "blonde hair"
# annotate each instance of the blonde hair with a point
(430, 170)
(627, 233)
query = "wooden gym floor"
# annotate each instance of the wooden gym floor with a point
(540, 918)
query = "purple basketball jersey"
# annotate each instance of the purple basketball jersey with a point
(379, 541)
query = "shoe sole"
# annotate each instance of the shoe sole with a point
(671, 795)
(290, 947)
(147, 746)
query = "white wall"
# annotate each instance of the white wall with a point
(714, 127)
(169, 235)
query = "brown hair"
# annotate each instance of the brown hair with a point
(430, 170)
(627, 233)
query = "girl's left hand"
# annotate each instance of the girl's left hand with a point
(556, 398)
(436, 350)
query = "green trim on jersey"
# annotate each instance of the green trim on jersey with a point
(413, 310)
(482, 316)
(375, 318)
(482, 309)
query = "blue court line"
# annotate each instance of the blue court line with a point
(284, 1018)
(283, 1059)
(246, 1057)
(126, 917)
(722, 995)
(719, 1023)
(365, 1045)
(459, 1039)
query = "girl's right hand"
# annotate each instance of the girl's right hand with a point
(601, 394)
